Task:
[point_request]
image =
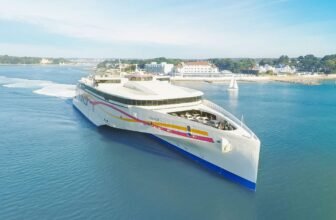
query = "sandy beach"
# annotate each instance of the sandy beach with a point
(307, 80)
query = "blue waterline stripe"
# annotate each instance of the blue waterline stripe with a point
(247, 183)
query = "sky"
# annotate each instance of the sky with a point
(169, 28)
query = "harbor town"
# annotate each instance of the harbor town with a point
(308, 69)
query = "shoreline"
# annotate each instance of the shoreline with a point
(46, 65)
(305, 80)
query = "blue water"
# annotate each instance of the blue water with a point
(56, 165)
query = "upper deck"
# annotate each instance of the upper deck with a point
(175, 101)
(142, 90)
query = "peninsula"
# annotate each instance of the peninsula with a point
(308, 69)
(5, 59)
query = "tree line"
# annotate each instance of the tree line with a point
(307, 63)
(5, 59)
(139, 62)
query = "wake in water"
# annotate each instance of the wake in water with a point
(43, 87)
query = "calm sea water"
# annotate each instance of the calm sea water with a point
(54, 164)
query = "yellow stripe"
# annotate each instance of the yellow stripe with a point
(127, 119)
(183, 128)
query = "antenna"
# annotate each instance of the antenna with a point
(242, 121)
(119, 67)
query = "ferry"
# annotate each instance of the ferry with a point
(181, 117)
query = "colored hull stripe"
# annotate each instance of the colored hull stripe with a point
(235, 178)
(160, 124)
(249, 184)
(195, 131)
(196, 137)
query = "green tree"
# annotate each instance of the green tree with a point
(264, 62)
(130, 68)
(269, 72)
(328, 64)
(309, 63)
(283, 60)
(223, 64)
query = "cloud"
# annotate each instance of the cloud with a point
(71, 18)
(175, 24)
(192, 28)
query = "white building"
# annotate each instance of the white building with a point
(198, 68)
(264, 69)
(285, 69)
(277, 70)
(162, 68)
(45, 61)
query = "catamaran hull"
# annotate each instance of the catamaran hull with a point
(239, 162)
(203, 159)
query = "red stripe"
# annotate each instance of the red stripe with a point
(197, 137)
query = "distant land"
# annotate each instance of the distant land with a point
(5, 59)
(307, 63)
(26, 60)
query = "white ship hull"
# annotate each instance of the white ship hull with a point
(237, 160)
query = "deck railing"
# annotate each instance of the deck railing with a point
(229, 116)
(167, 118)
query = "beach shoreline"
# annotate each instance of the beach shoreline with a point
(306, 80)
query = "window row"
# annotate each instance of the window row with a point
(109, 97)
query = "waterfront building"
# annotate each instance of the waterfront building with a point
(196, 69)
(45, 61)
(265, 68)
(281, 69)
(159, 68)
(285, 69)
